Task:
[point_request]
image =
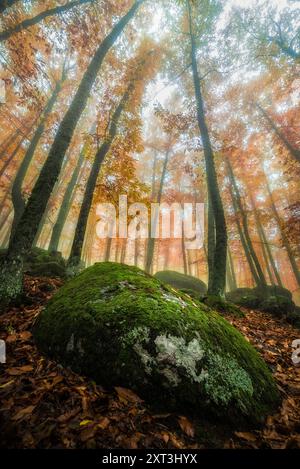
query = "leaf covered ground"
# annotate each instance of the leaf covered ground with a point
(43, 405)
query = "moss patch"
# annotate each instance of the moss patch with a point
(121, 326)
(186, 283)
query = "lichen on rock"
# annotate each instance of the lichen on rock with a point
(121, 326)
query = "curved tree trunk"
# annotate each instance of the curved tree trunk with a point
(41, 16)
(11, 268)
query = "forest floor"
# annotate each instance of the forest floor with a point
(43, 405)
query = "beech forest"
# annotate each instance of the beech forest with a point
(149, 225)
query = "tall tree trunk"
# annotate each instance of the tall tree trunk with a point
(211, 241)
(17, 196)
(24, 137)
(266, 247)
(262, 280)
(11, 268)
(123, 251)
(65, 206)
(218, 272)
(243, 239)
(294, 152)
(285, 240)
(38, 18)
(184, 254)
(151, 240)
(92, 180)
(232, 270)
(6, 4)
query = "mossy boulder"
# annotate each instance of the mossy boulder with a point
(272, 299)
(187, 283)
(277, 305)
(41, 263)
(120, 326)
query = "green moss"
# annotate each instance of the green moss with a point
(272, 299)
(186, 283)
(223, 306)
(121, 326)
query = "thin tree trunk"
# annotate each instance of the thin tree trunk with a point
(11, 268)
(65, 206)
(262, 280)
(269, 259)
(243, 239)
(218, 273)
(151, 240)
(294, 152)
(184, 256)
(38, 18)
(92, 181)
(232, 271)
(17, 196)
(285, 241)
(211, 241)
(6, 4)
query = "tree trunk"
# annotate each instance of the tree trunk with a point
(243, 239)
(232, 271)
(294, 152)
(211, 241)
(184, 255)
(17, 196)
(262, 281)
(65, 206)
(266, 247)
(218, 272)
(92, 180)
(151, 240)
(38, 18)
(11, 268)
(285, 241)
(6, 4)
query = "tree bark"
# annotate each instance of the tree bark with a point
(38, 18)
(285, 241)
(262, 280)
(151, 240)
(17, 196)
(294, 152)
(6, 4)
(11, 268)
(92, 180)
(65, 206)
(218, 272)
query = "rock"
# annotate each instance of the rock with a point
(122, 327)
(191, 285)
(45, 269)
(272, 299)
(277, 305)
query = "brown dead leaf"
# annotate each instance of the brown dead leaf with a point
(126, 395)
(19, 370)
(103, 423)
(186, 426)
(25, 335)
(23, 412)
(246, 436)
